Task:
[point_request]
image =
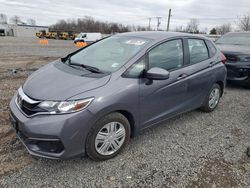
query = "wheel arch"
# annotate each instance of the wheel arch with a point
(221, 84)
(131, 120)
(132, 117)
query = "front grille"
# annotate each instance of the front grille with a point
(28, 112)
(29, 109)
(27, 105)
(231, 57)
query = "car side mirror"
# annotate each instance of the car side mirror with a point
(156, 73)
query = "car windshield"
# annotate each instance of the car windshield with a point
(110, 54)
(81, 35)
(235, 39)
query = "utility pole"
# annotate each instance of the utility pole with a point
(169, 16)
(149, 23)
(158, 22)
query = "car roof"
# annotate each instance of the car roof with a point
(158, 35)
(238, 32)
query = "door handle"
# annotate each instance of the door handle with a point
(182, 76)
(211, 64)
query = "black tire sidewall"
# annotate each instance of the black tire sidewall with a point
(90, 142)
(247, 84)
(206, 107)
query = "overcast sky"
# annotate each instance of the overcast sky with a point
(209, 12)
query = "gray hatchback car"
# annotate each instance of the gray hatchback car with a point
(93, 100)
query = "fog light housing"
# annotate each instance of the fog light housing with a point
(50, 146)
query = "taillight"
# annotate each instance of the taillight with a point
(223, 58)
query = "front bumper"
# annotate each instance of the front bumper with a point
(238, 71)
(52, 136)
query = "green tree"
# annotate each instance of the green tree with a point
(213, 32)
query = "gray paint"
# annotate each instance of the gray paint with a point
(238, 71)
(149, 102)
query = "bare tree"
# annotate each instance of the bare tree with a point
(3, 19)
(89, 24)
(180, 29)
(223, 29)
(16, 20)
(244, 22)
(31, 21)
(193, 26)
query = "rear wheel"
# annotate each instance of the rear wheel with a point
(247, 85)
(107, 138)
(213, 98)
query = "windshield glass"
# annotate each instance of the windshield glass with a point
(111, 53)
(235, 39)
(81, 35)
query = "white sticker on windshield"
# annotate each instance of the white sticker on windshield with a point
(135, 42)
(114, 65)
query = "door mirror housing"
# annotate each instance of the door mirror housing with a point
(156, 73)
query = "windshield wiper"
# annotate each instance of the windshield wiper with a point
(68, 57)
(87, 67)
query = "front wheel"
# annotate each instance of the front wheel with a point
(213, 99)
(107, 137)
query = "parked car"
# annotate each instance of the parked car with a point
(213, 37)
(87, 37)
(64, 36)
(2, 32)
(236, 48)
(93, 100)
(41, 34)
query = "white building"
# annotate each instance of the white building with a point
(22, 30)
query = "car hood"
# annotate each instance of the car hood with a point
(51, 82)
(234, 49)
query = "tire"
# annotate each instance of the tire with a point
(247, 84)
(207, 107)
(248, 151)
(94, 147)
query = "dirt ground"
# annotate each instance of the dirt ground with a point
(12, 154)
(192, 150)
(19, 57)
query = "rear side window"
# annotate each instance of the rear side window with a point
(211, 48)
(198, 50)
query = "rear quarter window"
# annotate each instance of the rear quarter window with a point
(212, 48)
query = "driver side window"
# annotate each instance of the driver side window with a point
(168, 55)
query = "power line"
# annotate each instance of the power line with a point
(186, 18)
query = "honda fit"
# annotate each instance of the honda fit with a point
(93, 100)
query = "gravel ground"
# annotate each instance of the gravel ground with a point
(16, 46)
(192, 150)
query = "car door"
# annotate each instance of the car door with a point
(200, 72)
(160, 99)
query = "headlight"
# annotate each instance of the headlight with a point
(65, 106)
